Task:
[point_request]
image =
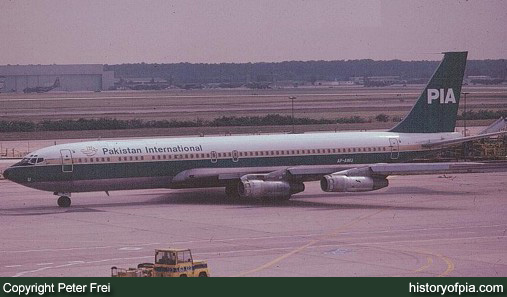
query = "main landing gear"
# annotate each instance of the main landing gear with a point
(64, 200)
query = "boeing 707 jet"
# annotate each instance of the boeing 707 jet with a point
(263, 166)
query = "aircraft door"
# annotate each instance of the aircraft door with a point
(395, 148)
(213, 157)
(235, 156)
(67, 163)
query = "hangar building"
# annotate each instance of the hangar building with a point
(79, 77)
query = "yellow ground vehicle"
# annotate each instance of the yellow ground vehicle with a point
(168, 263)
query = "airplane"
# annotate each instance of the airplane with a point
(56, 84)
(267, 167)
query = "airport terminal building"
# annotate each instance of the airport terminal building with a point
(78, 77)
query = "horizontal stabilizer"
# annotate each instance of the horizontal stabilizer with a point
(444, 143)
(497, 126)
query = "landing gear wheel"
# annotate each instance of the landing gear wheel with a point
(64, 201)
(231, 191)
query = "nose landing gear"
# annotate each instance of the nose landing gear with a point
(64, 200)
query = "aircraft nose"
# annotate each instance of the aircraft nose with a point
(6, 173)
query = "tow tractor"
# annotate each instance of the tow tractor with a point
(168, 263)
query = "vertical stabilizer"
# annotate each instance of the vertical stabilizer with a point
(437, 107)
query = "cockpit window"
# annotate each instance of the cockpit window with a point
(29, 160)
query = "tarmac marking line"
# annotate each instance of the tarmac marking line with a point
(311, 244)
(445, 259)
(301, 248)
(71, 263)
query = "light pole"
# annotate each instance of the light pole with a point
(292, 99)
(465, 115)
(465, 125)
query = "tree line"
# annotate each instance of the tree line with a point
(304, 71)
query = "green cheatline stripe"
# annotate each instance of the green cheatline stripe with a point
(171, 168)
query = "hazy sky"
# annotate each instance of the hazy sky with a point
(165, 31)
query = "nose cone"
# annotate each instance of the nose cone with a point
(6, 173)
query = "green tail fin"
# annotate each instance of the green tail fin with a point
(436, 109)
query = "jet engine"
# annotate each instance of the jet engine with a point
(268, 189)
(342, 183)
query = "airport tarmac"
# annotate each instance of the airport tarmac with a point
(431, 225)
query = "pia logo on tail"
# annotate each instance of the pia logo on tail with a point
(441, 94)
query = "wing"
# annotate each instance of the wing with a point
(219, 177)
